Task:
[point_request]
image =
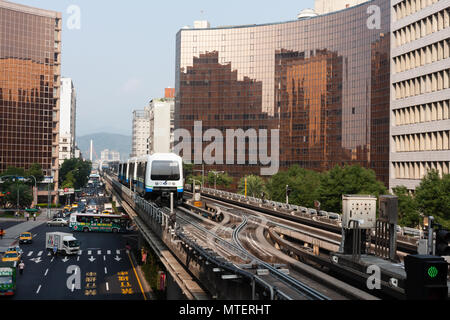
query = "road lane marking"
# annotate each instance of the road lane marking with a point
(118, 251)
(30, 253)
(106, 271)
(99, 252)
(137, 278)
(52, 259)
(108, 252)
(40, 253)
(37, 292)
(107, 286)
(104, 258)
(89, 252)
(45, 274)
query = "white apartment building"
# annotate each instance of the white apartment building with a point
(420, 90)
(67, 128)
(110, 155)
(141, 132)
(161, 138)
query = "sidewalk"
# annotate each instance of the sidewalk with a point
(12, 234)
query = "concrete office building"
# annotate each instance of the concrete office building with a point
(323, 81)
(30, 69)
(67, 128)
(420, 92)
(110, 155)
(141, 132)
(161, 137)
(328, 6)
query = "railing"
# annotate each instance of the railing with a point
(404, 231)
(149, 212)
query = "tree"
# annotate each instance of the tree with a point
(347, 180)
(21, 191)
(255, 186)
(70, 181)
(36, 171)
(79, 169)
(220, 179)
(433, 197)
(303, 183)
(408, 215)
(188, 169)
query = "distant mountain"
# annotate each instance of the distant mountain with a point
(102, 141)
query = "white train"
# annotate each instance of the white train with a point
(154, 176)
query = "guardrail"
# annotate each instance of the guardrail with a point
(149, 212)
(332, 216)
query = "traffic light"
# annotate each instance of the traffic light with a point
(426, 277)
(442, 239)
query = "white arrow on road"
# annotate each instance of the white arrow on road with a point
(37, 260)
(65, 259)
(117, 258)
(91, 259)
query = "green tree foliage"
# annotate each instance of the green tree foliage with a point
(79, 169)
(36, 171)
(255, 186)
(221, 179)
(433, 197)
(408, 215)
(187, 169)
(22, 191)
(69, 182)
(347, 180)
(303, 183)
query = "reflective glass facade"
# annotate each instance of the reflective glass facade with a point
(29, 87)
(323, 82)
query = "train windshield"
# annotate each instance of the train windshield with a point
(165, 170)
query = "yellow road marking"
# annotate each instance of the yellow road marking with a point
(135, 273)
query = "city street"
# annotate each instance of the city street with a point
(103, 269)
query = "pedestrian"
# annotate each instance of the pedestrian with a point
(27, 215)
(2, 233)
(55, 250)
(21, 266)
(34, 216)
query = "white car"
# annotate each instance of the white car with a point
(58, 222)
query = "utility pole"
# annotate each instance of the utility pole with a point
(288, 191)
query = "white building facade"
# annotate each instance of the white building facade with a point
(420, 91)
(67, 129)
(161, 138)
(141, 132)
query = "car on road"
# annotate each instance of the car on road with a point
(58, 222)
(11, 256)
(25, 237)
(15, 248)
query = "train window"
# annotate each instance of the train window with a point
(165, 170)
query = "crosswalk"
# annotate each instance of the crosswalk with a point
(88, 252)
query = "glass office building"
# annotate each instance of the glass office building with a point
(322, 81)
(30, 55)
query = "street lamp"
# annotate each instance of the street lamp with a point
(216, 173)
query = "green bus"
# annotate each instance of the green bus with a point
(83, 222)
(8, 278)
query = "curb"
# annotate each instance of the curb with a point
(147, 289)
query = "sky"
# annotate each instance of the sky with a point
(123, 53)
